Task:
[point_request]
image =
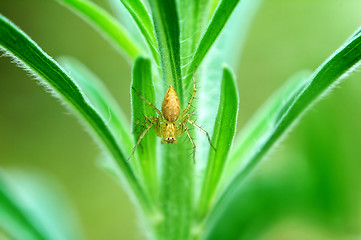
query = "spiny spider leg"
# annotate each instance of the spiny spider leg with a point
(190, 138)
(148, 119)
(204, 131)
(149, 103)
(139, 121)
(144, 124)
(188, 116)
(144, 120)
(140, 139)
(185, 111)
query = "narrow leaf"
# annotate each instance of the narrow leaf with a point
(222, 139)
(166, 24)
(212, 5)
(123, 16)
(337, 66)
(227, 47)
(107, 26)
(33, 59)
(101, 100)
(14, 222)
(193, 23)
(215, 26)
(34, 207)
(142, 19)
(142, 83)
(261, 204)
(262, 123)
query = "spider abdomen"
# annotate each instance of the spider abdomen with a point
(171, 105)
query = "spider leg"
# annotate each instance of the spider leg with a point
(149, 103)
(204, 131)
(142, 128)
(144, 120)
(190, 138)
(140, 139)
(189, 115)
(139, 121)
(185, 111)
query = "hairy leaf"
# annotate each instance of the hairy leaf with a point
(101, 100)
(193, 21)
(337, 66)
(262, 123)
(142, 19)
(34, 207)
(208, 77)
(142, 84)
(222, 139)
(166, 24)
(36, 61)
(215, 26)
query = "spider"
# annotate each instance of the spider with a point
(171, 122)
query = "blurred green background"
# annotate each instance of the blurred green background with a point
(312, 179)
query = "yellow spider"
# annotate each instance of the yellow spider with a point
(170, 123)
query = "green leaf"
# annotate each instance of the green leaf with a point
(229, 44)
(13, 221)
(192, 27)
(101, 100)
(261, 204)
(33, 59)
(209, 75)
(212, 5)
(142, 19)
(107, 26)
(262, 123)
(222, 139)
(142, 83)
(34, 207)
(215, 26)
(335, 68)
(123, 16)
(166, 25)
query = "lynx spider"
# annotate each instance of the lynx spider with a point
(170, 123)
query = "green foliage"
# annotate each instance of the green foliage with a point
(214, 28)
(222, 139)
(101, 100)
(142, 82)
(178, 199)
(24, 50)
(142, 19)
(303, 96)
(166, 25)
(28, 209)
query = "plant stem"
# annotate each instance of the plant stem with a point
(176, 192)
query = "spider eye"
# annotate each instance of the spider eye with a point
(170, 139)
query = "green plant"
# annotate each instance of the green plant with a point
(179, 36)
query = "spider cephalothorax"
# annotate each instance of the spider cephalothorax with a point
(171, 122)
